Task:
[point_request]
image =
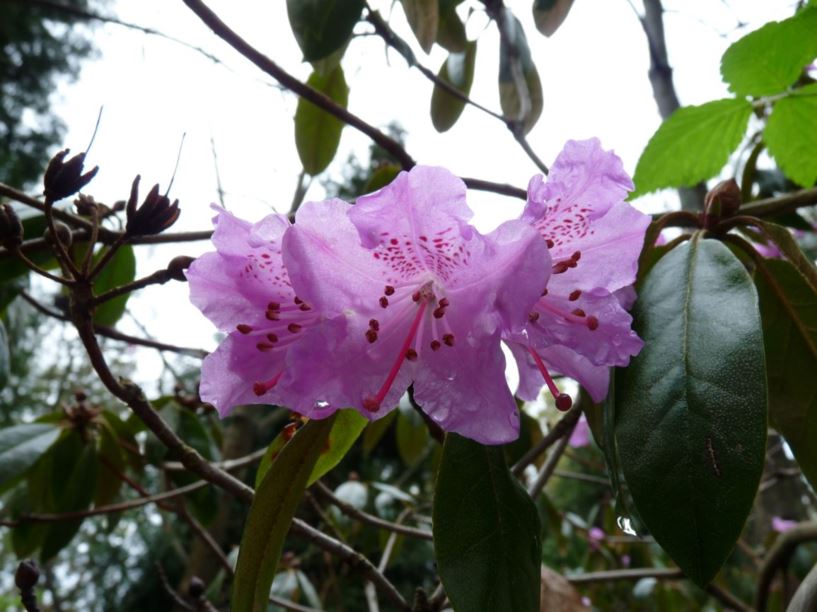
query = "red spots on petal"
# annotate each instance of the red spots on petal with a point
(550, 244)
(394, 241)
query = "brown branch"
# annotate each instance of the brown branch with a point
(160, 277)
(779, 556)
(553, 458)
(627, 574)
(560, 430)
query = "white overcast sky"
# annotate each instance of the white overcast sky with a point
(593, 71)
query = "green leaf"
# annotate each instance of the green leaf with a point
(120, 270)
(692, 145)
(451, 31)
(375, 431)
(317, 133)
(457, 71)
(5, 357)
(788, 246)
(549, 15)
(322, 26)
(486, 531)
(111, 461)
(791, 135)
(348, 426)
(270, 515)
(691, 407)
(520, 89)
(789, 308)
(768, 60)
(424, 18)
(381, 177)
(412, 434)
(22, 445)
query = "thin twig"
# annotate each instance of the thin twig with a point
(160, 277)
(558, 431)
(550, 464)
(778, 557)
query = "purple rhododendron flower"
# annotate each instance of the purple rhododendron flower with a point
(579, 326)
(414, 294)
(244, 289)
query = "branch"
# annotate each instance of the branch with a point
(553, 458)
(560, 430)
(779, 556)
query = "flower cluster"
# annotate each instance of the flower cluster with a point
(351, 304)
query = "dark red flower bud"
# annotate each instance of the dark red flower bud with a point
(65, 178)
(722, 201)
(178, 265)
(63, 232)
(155, 215)
(11, 229)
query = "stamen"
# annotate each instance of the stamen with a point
(272, 338)
(384, 301)
(575, 295)
(448, 339)
(533, 317)
(578, 312)
(592, 323)
(550, 243)
(264, 346)
(563, 401)
(435, 345)
(294, 328)
(374, 324)
(371, 335)
(411, 355)
(243, 329)
(389, 290)
(260, 388)
(373, 403)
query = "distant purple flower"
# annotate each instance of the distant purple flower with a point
(581, 434)
(414, 295)
(579, 326)
(782, 525)
(244, 289)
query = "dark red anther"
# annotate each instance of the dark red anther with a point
(243, 328)
(298, 300)
(578, 312)
(438, 312)
(374, 324)
(411, 354)
(561, 267)
(416, 296)
(264, 346)
(448, 339)
(435, 345)
(533, 317)
(259, 389)
(304, 307)
(592, 323)
(549, 243)
(294, 328)
(575, 295)
(272, 315)
(576, 256)
(544, 292)
(444, 303)
(384, 301)
(371, 335)
(273, 306)
(389, 290)
(563, 402)
(272, 338)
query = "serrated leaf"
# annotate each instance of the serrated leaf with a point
(120, 270)
(270, 516)
(691, 407)
(424, 18)
(322, 26)
(317, 133)
(791, 135)
(789, 308)
(486, 531)
(457, 71)
(768, 60)
(520, 89)
(549, 15)
(22, 445)
(692, 145)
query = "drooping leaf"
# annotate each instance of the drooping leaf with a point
(348, 426)
(486, 531)
(691, 407)
(457, 71)
(549, 15)
(424, 18)
(270, 515)
(317, 133)
(322, 26)
(692, 145)
(791, 134)
(789, 308)
(375, 431)
(381, 177)
(768, 60)
(451, 31)
(22, 445)
(520, 89)
(789, 247)
(120, 270)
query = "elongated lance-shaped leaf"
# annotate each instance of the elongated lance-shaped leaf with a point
(788, 305)
(120, 270)
(317, 133)
(691, 407)
(270, 516)
(424, 18)
(322, 26)
(457, 71)
(486, 531)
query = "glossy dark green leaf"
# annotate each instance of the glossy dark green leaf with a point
(317, 133)
(789, 247)
(788, 305)
(549, 15)
(457, 71)
(520, 89)
(486, 531)
(270, 516)
(424, 18)
(691, 407)
(322, 26)
(22, 445)
(120, 270)
(111, 462)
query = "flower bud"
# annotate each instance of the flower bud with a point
(27, 575)
(11, 229)
(85, 205)
(154, 216)
(63, 232)
(722, 201)
(65, 178)
(178, 265)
